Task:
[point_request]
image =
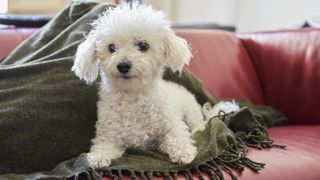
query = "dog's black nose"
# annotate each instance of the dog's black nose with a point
(124, 67)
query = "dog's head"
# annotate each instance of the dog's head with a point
(130, 44)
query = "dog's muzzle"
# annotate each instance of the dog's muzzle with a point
(124, 67)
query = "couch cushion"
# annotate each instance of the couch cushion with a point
(288, 67)
(300, 160)
(221, 62)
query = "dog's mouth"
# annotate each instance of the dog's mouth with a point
(127, 76)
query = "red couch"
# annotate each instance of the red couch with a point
(281, 69)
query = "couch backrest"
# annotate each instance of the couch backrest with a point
(288, 67)
(221, 62)
(12, 37)
(281, 69)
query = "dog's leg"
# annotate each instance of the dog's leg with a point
(102, 153)
(179, 145)
(193, 117)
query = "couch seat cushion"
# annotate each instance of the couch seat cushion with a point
(300, 160)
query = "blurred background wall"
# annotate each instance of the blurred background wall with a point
(257, 15)
(245, 15)
(32, 6)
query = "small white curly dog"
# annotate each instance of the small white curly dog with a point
(130, 46)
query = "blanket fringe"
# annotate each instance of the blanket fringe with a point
(150, 175)
(232, 159)
(256, 137)
(120, 174)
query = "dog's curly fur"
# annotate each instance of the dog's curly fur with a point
(138, 108)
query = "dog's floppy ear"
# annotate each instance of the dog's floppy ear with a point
(86, 63)
(177, 52)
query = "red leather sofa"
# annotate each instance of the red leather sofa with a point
(281, 69)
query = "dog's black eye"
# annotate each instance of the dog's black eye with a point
(112, 48)
(143, 46)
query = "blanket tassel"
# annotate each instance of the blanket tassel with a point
(199, 173)
(167, 176)
(133, 175)
(187, 175)
(150, 175)
(175, 175)
(120, 174)
(142, 175)
(208, 170)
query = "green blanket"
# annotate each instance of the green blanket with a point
(47, 115)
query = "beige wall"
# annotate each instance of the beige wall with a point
(246, 15)
(167, 6)
(261, 15)
(198, 11)
(38, 6)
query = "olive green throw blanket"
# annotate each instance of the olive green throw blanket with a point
(47, 115)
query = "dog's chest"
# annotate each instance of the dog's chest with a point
(139, 118)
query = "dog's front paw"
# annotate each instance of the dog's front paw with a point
(184, 157)
(97, 161)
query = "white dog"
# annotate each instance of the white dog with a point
(130, 46)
